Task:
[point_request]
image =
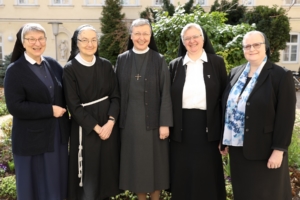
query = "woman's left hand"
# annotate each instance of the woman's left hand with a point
(106, 130)
(163, 132)
(275, 159)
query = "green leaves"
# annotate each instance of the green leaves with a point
(274, 22)
(8, 188)
(225, 38)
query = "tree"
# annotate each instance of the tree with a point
(114, 30)
(151, 14)
(234, 11)
(226, 39)
(188, 6)
(169, 7)
(274, 22)
(3, 67)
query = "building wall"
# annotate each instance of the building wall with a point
(73, 13)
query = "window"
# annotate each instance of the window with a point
(26, 2)
(248, 2)
(94, 2)
(124, 2)
(61, 2)
(201, 2)
(292, 1)
(291, 51)
(158, 2)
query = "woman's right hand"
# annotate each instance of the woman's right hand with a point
(223, 152)
(58, 111)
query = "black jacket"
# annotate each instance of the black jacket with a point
(215, 77)
(29, 102)
(270, 111)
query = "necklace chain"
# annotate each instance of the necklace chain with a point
(138, 76)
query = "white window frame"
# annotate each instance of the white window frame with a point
(290, 2)
(248, 2)
(25, 2)
(125, 2)
(94, 4)
(290, 44)
(159, 4)
(201, 2)
(53, 2)
(155, 3)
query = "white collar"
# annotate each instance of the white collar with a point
(84, 62)
(187, 59)
(139, 51)
(30, 60)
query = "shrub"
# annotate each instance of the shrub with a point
(6, 127)
(8, 188)
(294, 148)
(3, 108)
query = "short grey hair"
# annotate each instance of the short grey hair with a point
(31, 27)
(188, 26)
(253, 33)
(139, 22)
(86, 27)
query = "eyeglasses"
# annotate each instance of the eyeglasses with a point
(33, 40)
(254, 45)
(141, 34)
(192, 37)
(86, 42)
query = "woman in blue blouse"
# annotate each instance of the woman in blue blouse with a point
(259, 108)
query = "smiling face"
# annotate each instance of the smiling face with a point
(36, 49)
(140, 37)
(87, 44)
(257, 54)
(193, 41)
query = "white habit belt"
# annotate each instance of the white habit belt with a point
(80, 158)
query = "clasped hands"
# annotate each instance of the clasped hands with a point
(104, 131)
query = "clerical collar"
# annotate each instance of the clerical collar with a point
(31, 60)
(140, 52)
(187, 59)
(84, 62)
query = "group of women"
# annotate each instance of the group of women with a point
(147, 127)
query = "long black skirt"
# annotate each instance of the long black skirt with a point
(252, 179)
(44, 176)
(195, 163)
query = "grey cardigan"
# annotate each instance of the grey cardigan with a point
(157, 89)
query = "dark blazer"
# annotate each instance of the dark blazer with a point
(270, 111)
(215, 78)
(29, 102)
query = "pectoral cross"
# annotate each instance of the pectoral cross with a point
(138, 76)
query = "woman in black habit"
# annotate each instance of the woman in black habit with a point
(198, 78)
(146, 114)
(92, 96)
(40, 133)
